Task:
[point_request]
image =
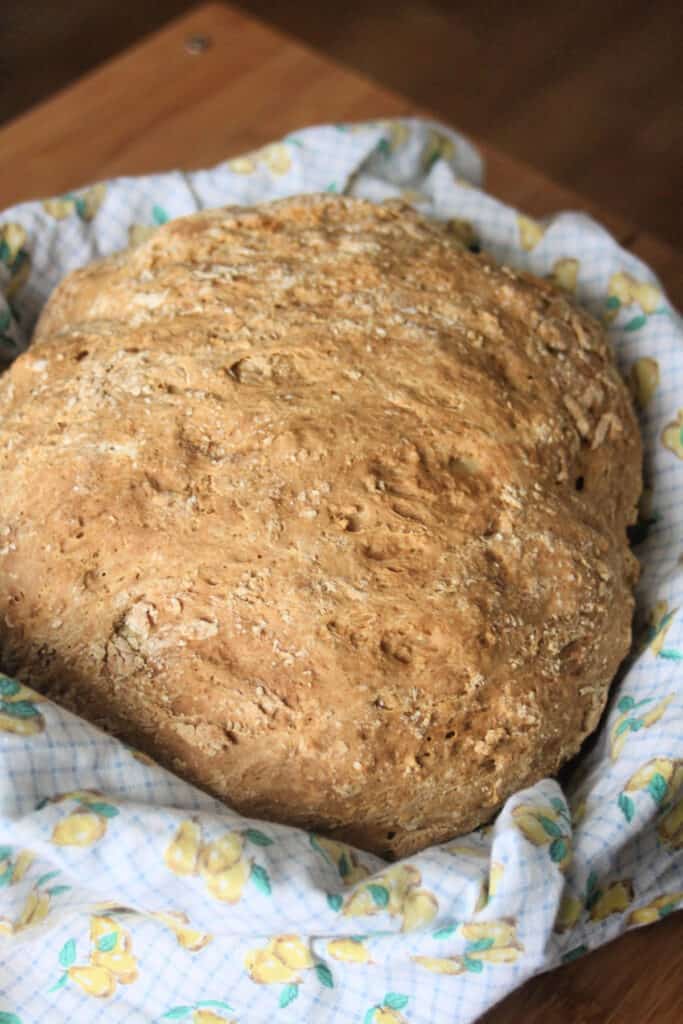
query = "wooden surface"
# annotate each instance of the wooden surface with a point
(158, 107)
(588, 92)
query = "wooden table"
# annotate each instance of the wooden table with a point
(214, 84)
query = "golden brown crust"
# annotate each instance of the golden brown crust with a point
(325, 513)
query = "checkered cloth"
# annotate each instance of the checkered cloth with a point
(128, 895)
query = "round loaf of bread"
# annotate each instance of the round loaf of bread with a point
(323, 512)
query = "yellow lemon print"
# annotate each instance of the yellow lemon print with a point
(419, 908)
(18, 711)
(292, 952)
(189, 938)
(81, 828)
(342, 857)
(502, 932)
(276, 158)
(94, 981)
(628, 291)
(352, 951)
(659, 623)
(85, 205)
(17, 260)
(549, 826)
(12, 870)
(657, 909)
(441, 964)
(34, 911)
(495, 877)
(632, 719)
(658, 768)
(461, 850)
(670, 827)
(398, 134)
(615, 899)
(228, 885)
(643, 380)
(221, 854)
(385, 1015)
(201, 1016)
(565, 274)
(672, 435)
(182, 854)
(437, 147)
(266, 968)
(568, 913)
(530, 232)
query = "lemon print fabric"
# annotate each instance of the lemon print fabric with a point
(397, 892)
(634, 715)
(109, 960)
(672, 435)
(275, 158)
(284, 961)
(125, 893)
(547, 826)
(223, 864)
(14, 256)
(19, 712)
(84, 204)
(87, 823)
(389, 1010)
(486, 943)
(205, 1011)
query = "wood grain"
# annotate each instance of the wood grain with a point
(156, 107)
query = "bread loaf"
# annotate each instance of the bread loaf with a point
(323, 512)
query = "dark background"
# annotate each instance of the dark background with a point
(591, 93)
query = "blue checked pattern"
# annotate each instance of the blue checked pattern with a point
(128, 895)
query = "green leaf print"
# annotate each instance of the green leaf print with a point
(60, 983)
(46, 878)
(107, 942)
(159, 215)
(380, 895)
(332, 187)
(67, 954)
(253, 835)
(612, 302)
(18, 708)
(98, 807)
(636, 323)
(549, 827)
(630, 724)
(444, 933)
(334, 901)
(626, 806)
(8, 1018)
(4, 251)
(259, 876)
(668, 653)
(177, 1013)
(344, 866)
(395, 1000)
(288, 995)
(657, 787)
(5, 852)
(574, 954)
(8, 687)
(384, 148)
(6, 876)
(324, 975)
(475, 966)
(560, 806)
(625, 704)
(558, 850)
(667, 909)
(81, 207)
(370, 1015)
(592, 890)
(57, 890)
(479, 945)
